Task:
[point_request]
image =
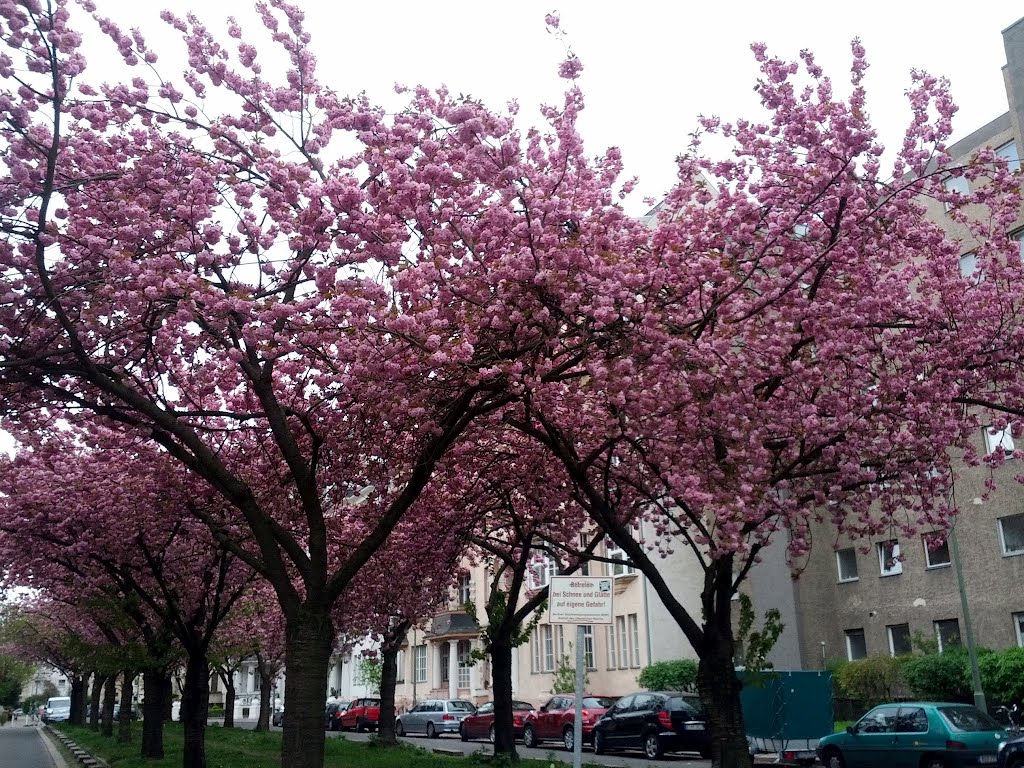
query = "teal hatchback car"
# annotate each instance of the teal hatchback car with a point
(915, 734)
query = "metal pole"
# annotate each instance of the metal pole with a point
(972, 651)
(577, 728)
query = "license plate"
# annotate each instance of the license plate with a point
(694, 726)
(986, 759)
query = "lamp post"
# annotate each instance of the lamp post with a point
(972, 651)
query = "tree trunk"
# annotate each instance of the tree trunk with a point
(109, 698)
(153, 714)
(167, 696)
(95, 698)
(266, 693)
(78, 688)
(195, 708)
(229, 701)
(124, 722)
(501, 683)
(308, 644)
(388, 681)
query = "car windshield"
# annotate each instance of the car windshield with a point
(461, 706)
(522, 706)
(969, 718)
(597, 702)
(372, 703)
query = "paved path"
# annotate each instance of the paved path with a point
(22, 746)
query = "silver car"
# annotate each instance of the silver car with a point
(434, 717)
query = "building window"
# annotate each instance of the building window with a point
(548, 639)
(899, 639)
(1008, 153)
(400, 667)
(611, 647)
(463, 651)
(589, 659)
(465, 589)
(1011, 534)
(846, 564)
(947, 632)
(1018, 628)
(969, 267)
(420, 663)
(541, 571)
(618, 567)
(957, 184)
(444, 659)
(634, 640)
(889, 563)
(999, 438)
(622, 640)
(856, 645)
(936, 550)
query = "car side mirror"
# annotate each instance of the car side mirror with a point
(852, 730)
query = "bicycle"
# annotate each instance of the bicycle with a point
(1010, 714)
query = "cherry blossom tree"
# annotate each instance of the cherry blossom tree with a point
(794, 343)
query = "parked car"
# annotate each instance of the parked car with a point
(133, 713)
(915, 734)
(361, 714)
(58, 709)
(332, 715)
(656, 722)
(434, 717)
(277, 719)
(1011, 754)
(481, 724)
(554, 721)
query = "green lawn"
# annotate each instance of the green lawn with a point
(238, 748)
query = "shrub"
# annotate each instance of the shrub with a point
(942, 676)
(676, 675)
(872, 680)
(1002, 676)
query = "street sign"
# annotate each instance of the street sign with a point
(580, 600)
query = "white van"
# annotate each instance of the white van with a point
(58, 709)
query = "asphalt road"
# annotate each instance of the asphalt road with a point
(21, 746)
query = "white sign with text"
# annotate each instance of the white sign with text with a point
(580, 600)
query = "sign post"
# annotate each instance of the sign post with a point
(580, 600)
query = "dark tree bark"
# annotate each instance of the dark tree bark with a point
(124, 722)
(501, 682)
(153, 714)
(95, 698)
(308, 646)
(78, 699)
(107, 711)
(389, 679)
(266, 692)
(195, 709)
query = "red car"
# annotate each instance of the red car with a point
(361, 714)
(553, 721)
(481, 725)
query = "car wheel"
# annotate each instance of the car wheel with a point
(360, 726)
(399, 730)
(652, 746)
(529, 737)
(598, 743)
(490, 734)
(567, 739)
(431, 733)
(833, 758)
(462, 732)
(933, 761)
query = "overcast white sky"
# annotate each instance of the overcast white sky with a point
(650, 67)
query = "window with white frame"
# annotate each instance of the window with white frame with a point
(999, 438)
(936, 550)
(444, 655)
(465, 588)
(420, 663)
(846, 564)
(463, 652)
(1018, 628)
(1011, 534)
(899, 639)
(536, 660)
(400, 667)
(1008, 153)
(947, 633)
(541, 571)
(1019, 237)
(957, 184)
(889, 563)
(619, 566)
(589, 659)
(969, 267)
(856, 644)
(634, 640)
(612, 659)
(623, 641)
(548, 638)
